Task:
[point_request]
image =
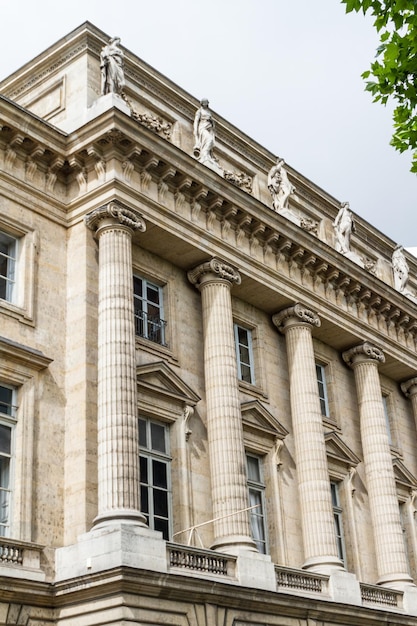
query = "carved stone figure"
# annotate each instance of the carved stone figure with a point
(343, 228)
(400, 269)
(279, 186)
(112, 68)
(204, 137)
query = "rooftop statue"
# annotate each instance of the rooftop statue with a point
(204, 136)
(400, 269)
(343, 228)
(279, 186)
(112, 70)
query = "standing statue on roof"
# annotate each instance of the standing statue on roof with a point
(112, 68)
(204, 136)
(343, 228)
(400, 269)
(279, 186)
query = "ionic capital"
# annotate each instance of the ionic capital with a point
(218, 269)
(364, 352)
(295, 315)
(115, 210)
(409, 387)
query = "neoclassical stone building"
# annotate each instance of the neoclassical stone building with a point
(208, 369)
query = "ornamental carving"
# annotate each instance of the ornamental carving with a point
(409, 387)
(217, 267)
(309, 225)
(365, 350)
(239, 179)
(118, 211)
(299, 313)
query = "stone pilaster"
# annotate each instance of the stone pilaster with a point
(214, 279)
(117, 422)
(383, 501)
(317, 519)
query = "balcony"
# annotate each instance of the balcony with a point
(150, 327)
(20, 559)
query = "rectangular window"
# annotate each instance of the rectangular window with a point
(155, 475)
(256, 489)
(338, 522)
(8, 259)
(148, 304)
(7, 413)
(322, 386)
(387, 420)
(244, 354)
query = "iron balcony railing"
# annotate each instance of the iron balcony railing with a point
(150, 327)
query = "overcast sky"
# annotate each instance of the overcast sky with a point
(286, 72)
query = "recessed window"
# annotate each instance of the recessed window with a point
(8, 259)
(256, 489)
(244, 354)
(338, 521)
(387, 420)
(7, 413)
(148, 302)
(322, 387)
(155, 475)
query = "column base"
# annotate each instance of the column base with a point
(235, 545)
(396, 581)
(111, 546)
(120, 516)
(324, 565)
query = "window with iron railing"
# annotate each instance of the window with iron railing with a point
(7, 427)
(148, 303)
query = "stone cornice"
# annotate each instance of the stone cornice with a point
(30, 358)
(363, 352)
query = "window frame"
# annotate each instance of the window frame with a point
(160, 325)
(164, 457)
(338, 520)
(10, 277)
(8, 420)
(257, 487)
(251, 364)
(323, 397)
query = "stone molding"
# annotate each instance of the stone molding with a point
(297, 313)
(220, 269)
(120, 212)
(364, 351)
(409, 387)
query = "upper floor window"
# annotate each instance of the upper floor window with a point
(148, 302)
(155, 475)
(387, 420)
(322, 387)
(7, 413)
(244, 354)
(338, 522)
(8, 257)
(256, 489)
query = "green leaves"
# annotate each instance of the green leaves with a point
(394, 74)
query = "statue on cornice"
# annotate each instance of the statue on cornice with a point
(279, 186)
(204, 136)
(343, 228)
(400, 269)
(112, 68)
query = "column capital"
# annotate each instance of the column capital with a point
(218, 269)
(118, 212)
(296, 314)
(409, 387)
(363, 352)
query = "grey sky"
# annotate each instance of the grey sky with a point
(286, 72)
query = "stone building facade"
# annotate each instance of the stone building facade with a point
(208, 376)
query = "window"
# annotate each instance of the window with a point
(244, 354)
(387, 419)
(322, 386)
(155, 475)
(8, 252)
(7, 414)
(149, 321)
(338, 524)
(256, 489)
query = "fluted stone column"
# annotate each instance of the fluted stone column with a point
(409, 388)
(383, 501)
(214, 279)
(117, 421)
(320, 549)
